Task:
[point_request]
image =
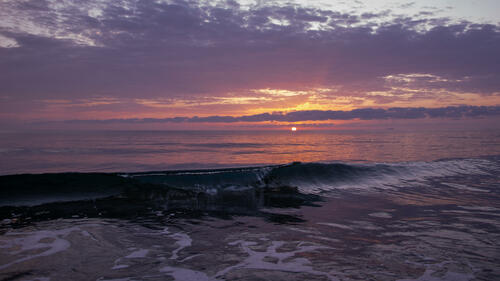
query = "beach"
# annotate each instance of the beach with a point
(337, 220)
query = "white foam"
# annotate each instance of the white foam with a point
(355, 225)
(343, 226)
(190, 257)
(52, 241)
(120, 266)
(141, 253)
(382, 215)
(324, 238)
(138, 254)
(88, 234)
(305, 230)
(183, 274)
(256, 259)
(182, 241)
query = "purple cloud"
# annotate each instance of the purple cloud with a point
(146, 49)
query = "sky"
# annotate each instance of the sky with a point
(247, 64)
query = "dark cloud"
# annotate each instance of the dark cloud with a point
(322, 115)
(148, 49)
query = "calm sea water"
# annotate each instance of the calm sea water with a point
(214, 206)
(134, 151)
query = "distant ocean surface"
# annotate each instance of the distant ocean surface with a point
(139, 151)
(250, 205)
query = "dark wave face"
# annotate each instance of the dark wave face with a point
(232, 191)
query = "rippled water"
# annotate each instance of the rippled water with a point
(133, 151)
(360, 206)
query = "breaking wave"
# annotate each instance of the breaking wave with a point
(306, 178)
(320, 177)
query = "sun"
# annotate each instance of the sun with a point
(294, 129)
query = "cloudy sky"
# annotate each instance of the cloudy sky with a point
(179, 63)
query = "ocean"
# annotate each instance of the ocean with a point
(250, 205)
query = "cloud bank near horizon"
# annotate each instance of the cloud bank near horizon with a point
(458, 112)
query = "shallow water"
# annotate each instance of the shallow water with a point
(376, 219)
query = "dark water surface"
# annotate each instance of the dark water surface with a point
(237, 206)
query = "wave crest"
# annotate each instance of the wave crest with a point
(307, 178)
